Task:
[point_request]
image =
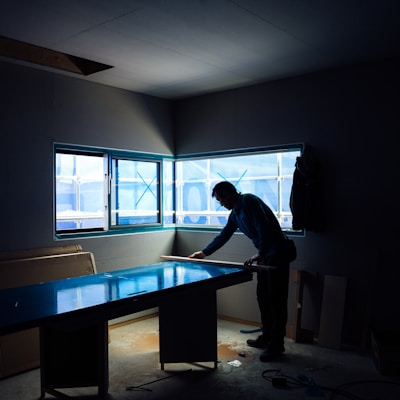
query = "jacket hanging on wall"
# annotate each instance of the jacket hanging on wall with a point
(305, 197)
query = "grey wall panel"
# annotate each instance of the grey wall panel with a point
(40, 108)
(350, 118)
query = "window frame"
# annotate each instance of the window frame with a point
(109, 155)
(162, 160)
(229, 153)
(113, 210)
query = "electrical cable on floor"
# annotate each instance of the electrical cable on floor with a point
(282, 381)
(251, 330)
(364, 382)
(140, 387)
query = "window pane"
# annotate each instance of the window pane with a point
(235, 168)
(134, 192)
(268, 175)
(168, 192)
(289, 162)
(79, 191)
(194, 170)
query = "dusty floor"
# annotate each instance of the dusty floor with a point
(306, 371)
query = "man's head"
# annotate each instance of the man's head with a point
(226, 194)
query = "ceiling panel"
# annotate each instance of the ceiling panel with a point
(183, 48)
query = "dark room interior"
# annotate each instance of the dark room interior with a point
(181, 79)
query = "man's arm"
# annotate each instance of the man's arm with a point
(226, 233)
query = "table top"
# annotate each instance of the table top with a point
(29, 306)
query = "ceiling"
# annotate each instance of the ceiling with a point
(182, 48)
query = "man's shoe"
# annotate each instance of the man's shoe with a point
(272, 353)
(259, 343)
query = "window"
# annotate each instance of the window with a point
(80, 191)
(134, 192)
(267, 174)
(109, 191)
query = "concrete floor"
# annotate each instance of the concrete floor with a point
(135, 372)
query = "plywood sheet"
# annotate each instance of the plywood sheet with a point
(332, 311)
(20, 351)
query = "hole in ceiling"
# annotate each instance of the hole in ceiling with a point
(22, 51)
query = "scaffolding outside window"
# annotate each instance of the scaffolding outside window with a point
(268, 175)
(103, 191)
(120, 192)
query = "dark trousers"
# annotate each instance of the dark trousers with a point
(272, 295)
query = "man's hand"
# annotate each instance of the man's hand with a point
(197, 254)
(250, 261)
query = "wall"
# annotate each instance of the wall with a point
(39, 108)
(349, 117)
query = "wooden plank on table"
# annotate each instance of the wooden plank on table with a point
(218, 262)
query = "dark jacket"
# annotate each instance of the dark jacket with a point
(256, 220)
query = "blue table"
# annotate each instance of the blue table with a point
(73, 317)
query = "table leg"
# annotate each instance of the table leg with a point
(74, 356)
(188, 328)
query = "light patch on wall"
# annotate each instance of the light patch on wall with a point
(23, 51)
